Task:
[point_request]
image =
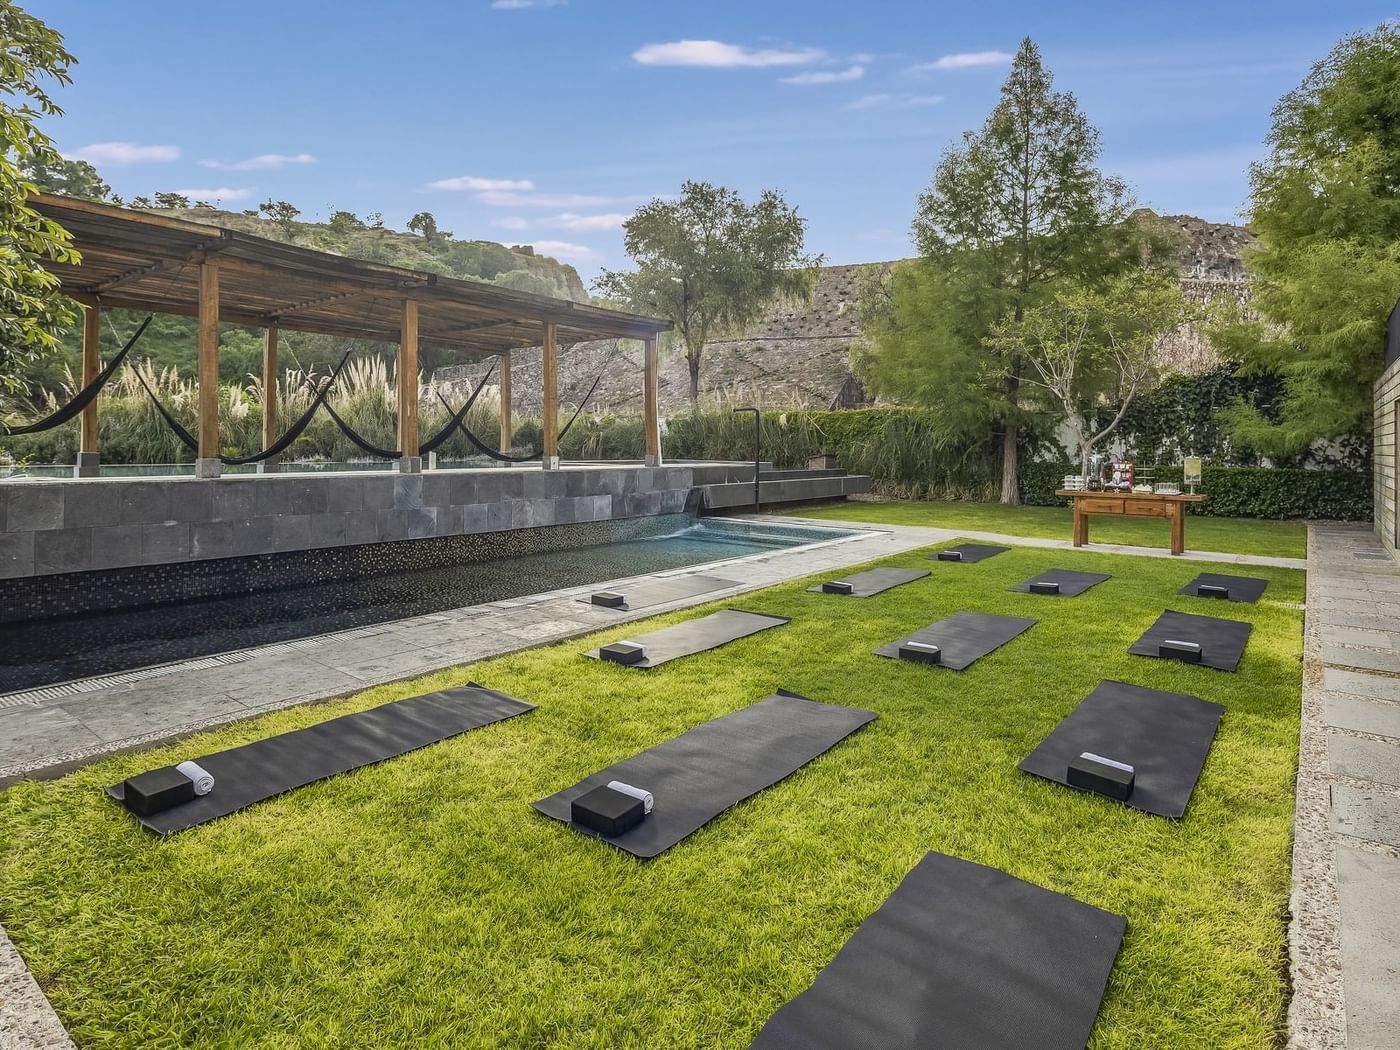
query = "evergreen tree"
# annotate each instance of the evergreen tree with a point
(1326, 272)
(1014, 209)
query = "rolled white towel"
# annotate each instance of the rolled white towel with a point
(635, 792)
(203, 780)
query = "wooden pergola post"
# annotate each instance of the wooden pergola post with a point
(651, 420)
(411, 462)
(89, 460)
(207, 463)
(507, 428)
(270, 373)
(550, 424)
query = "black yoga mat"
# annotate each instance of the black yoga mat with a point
(1071, 582)
(973, 551)
(873, 581)
(643, 594)
(1164, 736)
(264, 768)
(1242, 588)
(963, 637)
(696, 776)
(695, 636)
(960, 955)
(1222, 642)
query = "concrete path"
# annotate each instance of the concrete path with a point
(1345, 932)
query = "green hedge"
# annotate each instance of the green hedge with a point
(1240, 492)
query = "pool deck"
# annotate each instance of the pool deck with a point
(50, 735)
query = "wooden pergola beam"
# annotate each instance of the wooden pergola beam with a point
(550, 424)
(408, 387)
(651, 422)
(159, 266)
(507, 431)
(207, 465)
(87, 465)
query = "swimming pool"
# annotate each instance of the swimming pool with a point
(48, 650)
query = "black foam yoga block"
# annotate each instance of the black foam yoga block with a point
(624, 653)
(609, 599)
(1212, 590)
(837, 587)
(1044, 587)
(156, 791)
(1186, 652)
(950, 555)
(1105, 777)
(607, 811)
(920, 653)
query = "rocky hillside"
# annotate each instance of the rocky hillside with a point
(516, 267)
(800, 356)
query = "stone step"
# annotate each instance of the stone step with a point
(734, 495)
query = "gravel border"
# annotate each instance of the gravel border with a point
(1316, 1014)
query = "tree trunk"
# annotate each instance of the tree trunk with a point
(694, 362)
(1010, 449)
(1011, 439)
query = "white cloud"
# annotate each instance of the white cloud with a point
(566, 250)
(965, 60)
(868, 102)
(829, 77)
(261, 162)
(217, 193)
(886, 99)
(521, 5)
(124, 153)
(564, 221)
(570, 221)
(510, 199)
(476, 184)
(719, 55)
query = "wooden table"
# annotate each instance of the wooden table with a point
(1131, 505)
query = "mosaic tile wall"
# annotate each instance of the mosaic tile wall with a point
(148, 586)
(52, 527)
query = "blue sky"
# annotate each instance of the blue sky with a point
(547, 121)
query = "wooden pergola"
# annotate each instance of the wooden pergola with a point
(138, 261)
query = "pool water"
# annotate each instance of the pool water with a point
(48, 651)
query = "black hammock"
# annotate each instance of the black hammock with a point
(431, 445)
(277, 447)
(86, 395)
(487, 450)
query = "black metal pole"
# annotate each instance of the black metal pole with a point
(757, 451)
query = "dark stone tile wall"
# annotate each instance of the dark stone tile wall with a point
(67, 594)
(50, 527)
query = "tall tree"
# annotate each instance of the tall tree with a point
(1326, 206)
(32, 316)
(708, 262)
(1015, 208)
(1086, 348)
(425, 225)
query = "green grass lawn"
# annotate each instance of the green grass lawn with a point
(422, 903)
(1281, 539)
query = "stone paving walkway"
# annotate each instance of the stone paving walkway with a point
(1345, 933)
